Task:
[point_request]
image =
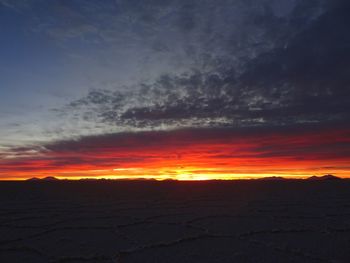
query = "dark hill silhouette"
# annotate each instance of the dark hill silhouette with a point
(325, 177)
(272, 178)
(48, 178)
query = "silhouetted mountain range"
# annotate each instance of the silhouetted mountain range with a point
(327, 177)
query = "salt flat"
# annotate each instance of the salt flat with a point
(149, 221)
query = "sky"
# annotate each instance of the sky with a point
(174, 89)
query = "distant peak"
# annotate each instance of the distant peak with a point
(33, 179)
(50, 178)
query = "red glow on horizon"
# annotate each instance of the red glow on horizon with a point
(189, 155)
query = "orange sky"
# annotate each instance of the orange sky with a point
(186, 155)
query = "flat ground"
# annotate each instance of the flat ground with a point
(238, 221)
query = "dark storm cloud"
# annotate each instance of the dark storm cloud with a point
(303, 78)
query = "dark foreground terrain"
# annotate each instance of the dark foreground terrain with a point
(238, 221)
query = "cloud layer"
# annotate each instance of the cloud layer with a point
(295, 70)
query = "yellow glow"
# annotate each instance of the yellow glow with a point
(171, 173)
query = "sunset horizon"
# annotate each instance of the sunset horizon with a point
(191, 131)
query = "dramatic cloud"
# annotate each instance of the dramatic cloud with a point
(303, 78)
